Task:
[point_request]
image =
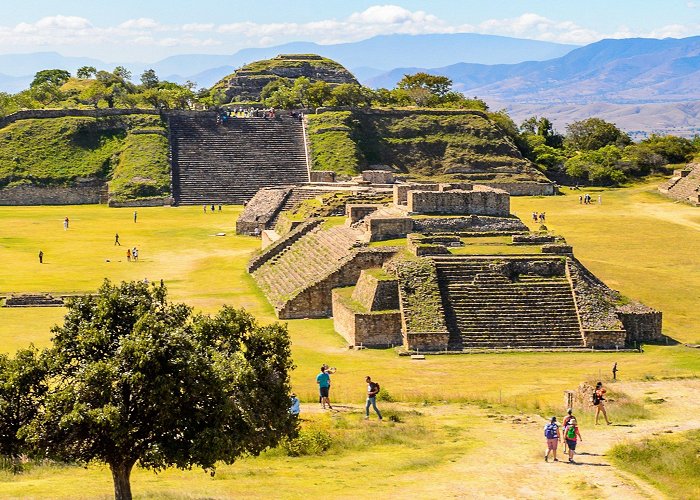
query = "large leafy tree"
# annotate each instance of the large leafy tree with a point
(593, 133)
(54, 77)
(434, 84)
(136, 379)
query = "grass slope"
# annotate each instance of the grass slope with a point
(672, 463)
(420, 143)
(60, 151)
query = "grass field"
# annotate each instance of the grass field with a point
(638, 242)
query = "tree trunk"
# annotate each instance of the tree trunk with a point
(121, 474)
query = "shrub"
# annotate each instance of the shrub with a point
(310, 441)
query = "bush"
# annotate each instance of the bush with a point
(310, 441)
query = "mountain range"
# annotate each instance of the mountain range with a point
(644, 85)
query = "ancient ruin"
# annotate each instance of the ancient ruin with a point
(684, 185)
(436, 286)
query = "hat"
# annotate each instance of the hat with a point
(294, 395)
(569, 411)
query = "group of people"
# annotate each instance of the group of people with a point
(213, 208)
(224, 115)
(569, 431)
(323, 380)
(586, 199)
(132, 254)
(539, 217)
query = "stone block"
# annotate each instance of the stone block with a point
(479, 201)
(378, 176)
(388, 228)
(358, 327)
(357, 212)
(642, 323)
(401, 191)
(376, 290)
(604, 339)
(322, 176)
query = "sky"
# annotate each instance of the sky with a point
(149, 30)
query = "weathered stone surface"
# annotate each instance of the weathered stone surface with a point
(533, 239)
(359, 327)
(558, 249)
(605, 339)
(481, 200)
(378, 176)
(401, 191)
(376, 291)
(642, 323)
(322, 176)
(261, 209)
(473, 223)
(684, 185)
(83, 193)
(389, 228)
(357, 212)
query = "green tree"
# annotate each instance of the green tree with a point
(593, 133)
(23, 385)
(136, 379)
(149, 79)
(318, 94)
(8, 104)
(350, 94)
(53, 77)
(122, 73)
(436, 85)
(86, 72)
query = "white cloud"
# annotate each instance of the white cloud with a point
(57, 31)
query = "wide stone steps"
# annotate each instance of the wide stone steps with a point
(229, 163)
(485, 309)
(305, 261)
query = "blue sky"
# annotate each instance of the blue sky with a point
(147, 30)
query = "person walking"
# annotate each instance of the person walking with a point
(135, 215)
(323, 380)
(553, 436)
(41, 257)
(565, 422)
(66, 222)
(599, 403)
(572, 435)
(614, 371)
(128, 255)
(116, 240)
(372, 391)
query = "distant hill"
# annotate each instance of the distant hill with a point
(627, 71)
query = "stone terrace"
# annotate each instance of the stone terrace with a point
(486, 309)
(684, 185)
(229, 163)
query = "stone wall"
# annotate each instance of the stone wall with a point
(84, 193)
(376, 291)
(321, 176)
(472, 223)
(643, 324)
(361, 327)
(378, 176)
(388, 228)
(401, 191)
(426, 341)
(158, 201)
(526, 188)
(316, 301)
(261, 209)
(604, 339)
(558, 249)
(479, 201)
(532, 239)
(357, 212)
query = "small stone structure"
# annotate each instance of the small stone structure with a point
(33, 300)
(684, 185)
(82, 193)
(368, 313)
(322, 176)
(480, 200)
(378, 176)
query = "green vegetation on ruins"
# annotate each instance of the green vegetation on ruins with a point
(130, 150)
(422, 144)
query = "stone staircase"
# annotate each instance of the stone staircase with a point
(485, 309)
(685, 188)
(305, 262)
(293, 200)
(230, 162)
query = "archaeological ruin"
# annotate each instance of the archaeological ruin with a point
(433, 267)
(684, 185)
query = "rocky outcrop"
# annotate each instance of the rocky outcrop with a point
(247, 83)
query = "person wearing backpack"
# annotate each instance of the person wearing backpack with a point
(572, 435)
(372, 391)
(569, 416)
(551, 433)
(598, 400)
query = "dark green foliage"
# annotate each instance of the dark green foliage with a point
(54, 77)
(137, 379)
(310, 441)
(593, 133)
(22, 385)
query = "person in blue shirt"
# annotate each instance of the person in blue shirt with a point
(323, 380)
(294, 408)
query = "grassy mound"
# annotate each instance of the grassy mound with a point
(61, 151)
(422, 144)
(671, 462)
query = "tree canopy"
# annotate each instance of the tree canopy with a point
(136, 379)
